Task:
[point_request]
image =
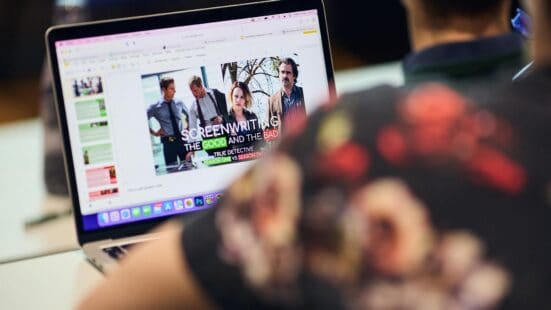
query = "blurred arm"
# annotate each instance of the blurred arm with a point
(154, 276)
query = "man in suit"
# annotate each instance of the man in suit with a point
(168, 112)
(210, 106)
(289, 100)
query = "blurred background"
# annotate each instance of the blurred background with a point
(359, 36)
(362, 33)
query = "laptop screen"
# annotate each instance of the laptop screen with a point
(161, 121)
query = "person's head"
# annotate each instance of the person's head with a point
(168, 88)
(288, 72)
(240, 97)
(461, 19)
(196, 87)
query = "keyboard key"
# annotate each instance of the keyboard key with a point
(115, 252)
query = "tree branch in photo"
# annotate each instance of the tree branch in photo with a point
(253, 71)
(260, 91)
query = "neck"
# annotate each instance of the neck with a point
(425, 35)
(201, 95)
(289, 89)
(167, 99)
(238, 113)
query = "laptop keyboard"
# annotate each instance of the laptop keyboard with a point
(118, 252)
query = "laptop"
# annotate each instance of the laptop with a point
(146, 107)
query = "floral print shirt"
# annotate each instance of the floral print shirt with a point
(392, 199)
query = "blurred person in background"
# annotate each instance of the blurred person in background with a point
(461, 42)
(420, 199)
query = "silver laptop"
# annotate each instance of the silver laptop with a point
(160, 113)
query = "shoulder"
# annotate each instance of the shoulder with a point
(376, 99)
(216, 92)
(250, 114)
(154, 106)
(275, 95)
(300, 92)
(180, 103)
(231, 117)
(366, 111)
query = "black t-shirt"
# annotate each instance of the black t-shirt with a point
(393, 198)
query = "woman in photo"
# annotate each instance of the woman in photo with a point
(245, 124)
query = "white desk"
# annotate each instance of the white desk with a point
(23, 195)
(59, 281)
(362, 78)
(51, 282)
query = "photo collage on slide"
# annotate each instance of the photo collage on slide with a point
(226, 113)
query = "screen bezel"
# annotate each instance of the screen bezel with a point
(109, 27)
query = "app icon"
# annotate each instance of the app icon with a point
(219, 196)
(125, 214)
(167, 206)
(178, 205)
(209, 200)
(188, 203)
(103, 218)
(136, 212)
(199, 201)
(115, 216)
(158, 208)
(146, 210)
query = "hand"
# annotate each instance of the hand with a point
(217, 120)
(189, 155)
(159, 133)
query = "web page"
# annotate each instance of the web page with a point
(129, 162)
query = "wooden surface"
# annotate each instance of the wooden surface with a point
(19, 99)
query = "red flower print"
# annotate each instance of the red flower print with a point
(349, 161)
(392, 146)
(399, 234)
(294, 124)
(432, 113)
(491, 167)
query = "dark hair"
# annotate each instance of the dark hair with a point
(165, 82)
(292, 63)
(246, 92)
(442, 9)
(546, 7)
(195, 80)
